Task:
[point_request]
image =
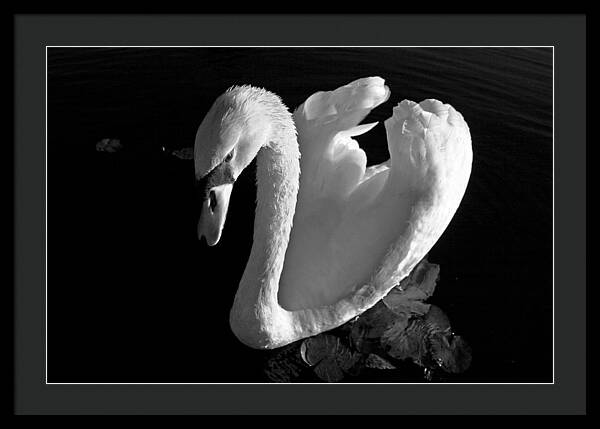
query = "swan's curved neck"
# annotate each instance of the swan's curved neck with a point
(256, 304)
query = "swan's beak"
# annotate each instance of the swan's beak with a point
(213, 214)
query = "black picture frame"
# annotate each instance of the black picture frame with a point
(567, 33)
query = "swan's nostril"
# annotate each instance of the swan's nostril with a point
(212, 200)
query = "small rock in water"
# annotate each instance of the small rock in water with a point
(109, 145)
(184, 153)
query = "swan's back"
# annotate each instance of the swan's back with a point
(356, 225)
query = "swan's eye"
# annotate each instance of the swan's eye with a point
(229, 156)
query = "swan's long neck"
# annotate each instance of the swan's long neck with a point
(256, 305)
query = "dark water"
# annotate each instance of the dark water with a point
(133, 296)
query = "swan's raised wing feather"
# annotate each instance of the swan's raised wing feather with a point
(332, 162)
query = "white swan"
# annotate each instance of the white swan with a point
(331, 236)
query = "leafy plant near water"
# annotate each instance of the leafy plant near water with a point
(400, 328)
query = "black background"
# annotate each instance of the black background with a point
(134, 297)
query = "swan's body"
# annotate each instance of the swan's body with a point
(331, 236)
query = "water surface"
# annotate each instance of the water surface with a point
(134, 297)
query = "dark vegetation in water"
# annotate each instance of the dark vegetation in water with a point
(400, 333)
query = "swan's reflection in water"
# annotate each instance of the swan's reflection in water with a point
(400, 334)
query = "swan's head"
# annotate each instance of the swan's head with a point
(228, 139)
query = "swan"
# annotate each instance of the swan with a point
(331, 236)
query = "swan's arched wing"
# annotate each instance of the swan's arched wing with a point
(358, 231)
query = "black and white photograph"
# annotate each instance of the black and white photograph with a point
(300, 214)
(258, 214)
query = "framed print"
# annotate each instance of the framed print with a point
(249, 222)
